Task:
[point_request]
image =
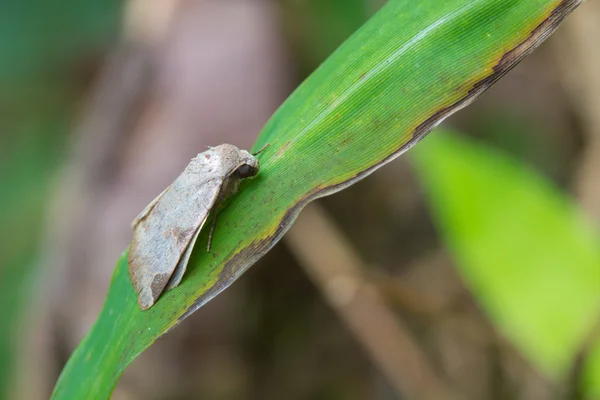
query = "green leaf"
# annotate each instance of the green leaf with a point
(410, 66)
(524, 249)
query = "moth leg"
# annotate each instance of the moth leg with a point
(148, 208)
(213, 224)
(228, 187)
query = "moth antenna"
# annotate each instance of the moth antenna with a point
(261, 150)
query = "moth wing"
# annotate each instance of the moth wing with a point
(183, 262)
(162, 236)
(148, 208)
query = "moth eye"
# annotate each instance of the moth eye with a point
(246, 171)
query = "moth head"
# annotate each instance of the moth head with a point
(248, 167)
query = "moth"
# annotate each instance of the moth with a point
(165, 232)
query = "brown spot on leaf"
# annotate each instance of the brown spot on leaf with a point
(283, 148)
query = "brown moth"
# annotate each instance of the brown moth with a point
(165, 231)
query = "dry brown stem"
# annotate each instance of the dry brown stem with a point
(336, 269)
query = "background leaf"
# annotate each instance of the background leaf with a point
(535, 268)
(408, 68)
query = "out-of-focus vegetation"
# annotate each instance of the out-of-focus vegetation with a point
(330, 22)
(49, 52)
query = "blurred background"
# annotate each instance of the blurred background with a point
(103, 103)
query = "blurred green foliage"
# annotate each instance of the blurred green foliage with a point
(525, 249)
(47, 52)
(39, 38)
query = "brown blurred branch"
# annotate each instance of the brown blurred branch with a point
(403, 295)
(336, 269)
(428, 288)
(579, 56)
